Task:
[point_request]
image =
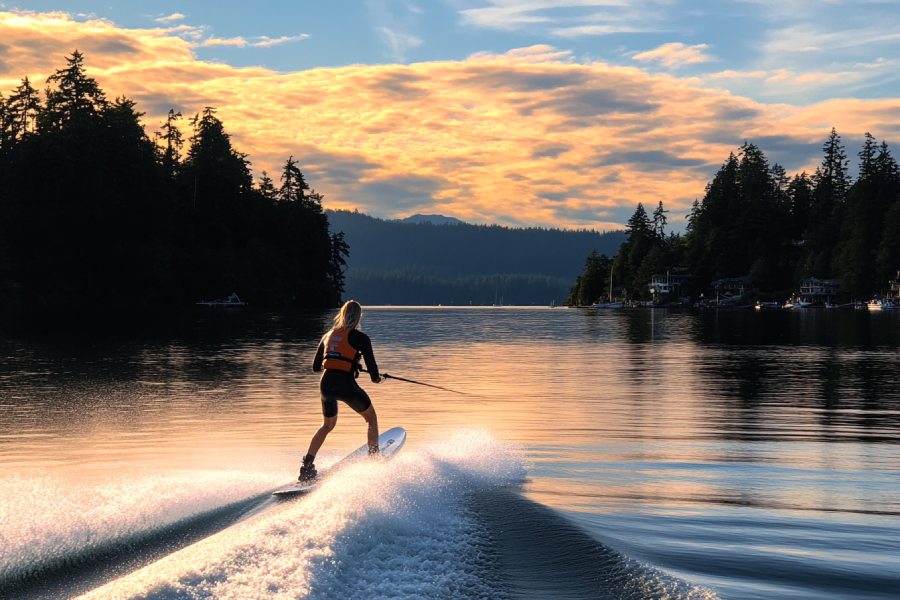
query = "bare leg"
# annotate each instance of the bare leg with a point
(319, 438)
(372, 419)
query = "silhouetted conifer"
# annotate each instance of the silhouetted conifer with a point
(95, 213)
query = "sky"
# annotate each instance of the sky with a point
(559, 113)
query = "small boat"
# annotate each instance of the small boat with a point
(886, 304)
(232, 301)
(797, 303)
(767, 305)
(847, 305)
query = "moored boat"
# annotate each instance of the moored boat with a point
(767, 305)
(231, 301)
(885, 304)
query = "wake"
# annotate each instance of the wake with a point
(439, 521)
(376, 530)
(54, 533)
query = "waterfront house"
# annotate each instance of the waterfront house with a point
(894, 287)
(819, 291)
(674, 281)
(732, 287)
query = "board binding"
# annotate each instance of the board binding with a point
(389, 443)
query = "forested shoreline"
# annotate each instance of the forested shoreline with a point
(416, 289)
(95, 213)
(757, 223)
(404, 263)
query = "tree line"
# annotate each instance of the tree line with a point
(94, 212)
(464, 249)
(756, 221)
(398, 262)
(404, 288)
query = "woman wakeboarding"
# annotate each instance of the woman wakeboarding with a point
(339, 353)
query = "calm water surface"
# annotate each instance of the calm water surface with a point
(718, 454)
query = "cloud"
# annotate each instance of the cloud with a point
(236, 41)
(170, 19)
(785, 83)
(258, 42)
(729, 74)
(506, 16)
(528, 137)
(398, 42)
(568, 18)
(393, 22)
(549, 151)
(265, 42)
(675, 55)
(582, 30)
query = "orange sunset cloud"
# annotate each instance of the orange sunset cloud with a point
(528, 137)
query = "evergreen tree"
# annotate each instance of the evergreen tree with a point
(94, 214)
(830, 185)
(633, 269)
(660, 221)
(755, 219)
(867, 166)
(174, 142)
(76, 97)
(886, 166)
(710, 240)
(800, 197)
(859, 260)
(23, 107)
(337, 266)
(833, 181)
(218, 174)
(293, 185)
(780, 177)
(266, 187)
(592, 285)
(888, 256)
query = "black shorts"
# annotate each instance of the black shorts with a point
(340, 385)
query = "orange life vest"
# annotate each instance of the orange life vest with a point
(339, 354)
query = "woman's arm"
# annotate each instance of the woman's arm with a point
(320, 355)
(363, 344)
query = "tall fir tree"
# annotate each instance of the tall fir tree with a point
(96, 215)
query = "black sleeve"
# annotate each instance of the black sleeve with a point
(363, 345)
(320, 355)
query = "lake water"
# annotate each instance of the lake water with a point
(619, 454)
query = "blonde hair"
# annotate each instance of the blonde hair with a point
(348, 318)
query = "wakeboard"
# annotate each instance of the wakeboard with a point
(389, 444)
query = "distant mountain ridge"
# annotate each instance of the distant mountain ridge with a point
(433, 219)
(420, 262)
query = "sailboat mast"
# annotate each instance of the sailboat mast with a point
(610, 283)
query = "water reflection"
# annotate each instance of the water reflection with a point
(679, 429)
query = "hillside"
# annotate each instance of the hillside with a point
(396, 262)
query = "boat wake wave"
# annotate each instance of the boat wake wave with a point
(59, 536)
(444, 520)
(400, 528)
(542, 555)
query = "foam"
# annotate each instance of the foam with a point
(375, 530)
(47, 520)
